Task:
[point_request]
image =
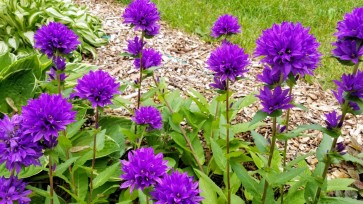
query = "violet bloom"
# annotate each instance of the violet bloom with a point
(135, 46)
(228, 61)
(349, 50)
(46, 116)
(98, 87)
(352, 25)
(340, 148)
(219, 84)
(150, 58)
(55, 38)
(269, 77)
(150, 116)
(17, 149)
(277, 99)
(339, 96)
(289, 47)
(143, 15)
(143, 169)
(332, 120)
(351, 84)
(152, 30)
(176, 188)
(12, 190)
(225, 25)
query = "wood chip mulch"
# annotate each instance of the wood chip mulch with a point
(184, 67)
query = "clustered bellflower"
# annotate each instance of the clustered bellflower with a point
(339, 96)
(12, 190)
(98, 87)
(270, 77)
(143, 169)
(59, 65)
(142, 15)
(150, 116)
(135, 46)
(219, 84)
(351, 84)
(45, 117)
(228, 61)
(16, 148)
(349, 45)
(225, 25)
(290, 48)
(55, 38)
(150, 58)
(332, 120)
(176, 188)
(273, 100)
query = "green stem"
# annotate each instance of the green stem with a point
(227, 144)
(51, 194)
(272, 148)
(140, 76)
(285, 146)
(94, 154)
(355, 69)
(332, 149)
(186, 138)
(141, 138)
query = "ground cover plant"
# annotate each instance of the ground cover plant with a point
(61, 146)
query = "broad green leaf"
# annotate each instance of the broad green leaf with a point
(260, 115)
(61, 168)
(260, 141)
(105, 175)
(38, 191)
(283, 177)
(209, 195)
(340, 184)
(247, 181)
(81, 182)
(211, 184)
(338, 200)
(219, 156)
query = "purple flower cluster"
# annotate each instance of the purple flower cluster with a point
(271, 77)
(149, 116)
(228, 61)
(55, 38)
(274, 100)
(135, 46)
(150, 58)
(349, 34)
(333, 120)
(143, 169)
(45, 117)
(225, 25)
(143, 15)
(339, 96)
(98, 87)
(289, 48)
(219, 84)
(12, 190)
(17, 149)
(59, 66)
(351, 85)
(176, 188)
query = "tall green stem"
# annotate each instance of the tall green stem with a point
(285, 145)
(51, 194)
(355, 69)
(332, 149)
(227, 143)
(94, 154)
(272, 148)
(181, 130)
(140, 76)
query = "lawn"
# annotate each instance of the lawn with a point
(197, 16)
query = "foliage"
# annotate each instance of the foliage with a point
(19, 19)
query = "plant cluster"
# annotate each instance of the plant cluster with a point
(62, 147)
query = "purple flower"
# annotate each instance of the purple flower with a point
(12, 190)
(53, 75)
(46, 116)
(152, 30)
(289, 47)
(340, 148)
(16, 148)
(274, 100)
(269, 77)
(351, 84)
(143, 169)
(176, 188)
(98, 87)
(225, 25)
(150, 58)
(219, 84)
(150, 116)
(349, 50)
(55, 38)
(332, 120)
(228, 61)
(135, 46)
(142, 14)
(352, 25)
(339, 96)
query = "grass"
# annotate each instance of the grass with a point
(197, 16)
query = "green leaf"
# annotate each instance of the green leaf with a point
(338, 200)
(208, 193)
(260, 115)
(340, 184)
(38, 191)
(247, 181)
(105, 175)
(244, 127)
(283, 177)
(100, 140)
(81, 182)
(219, 156)
(61, 168)
(211, 184)
(260, 141)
